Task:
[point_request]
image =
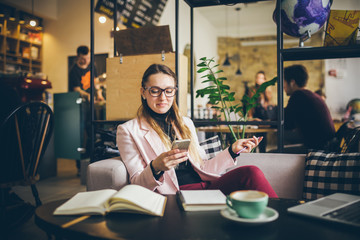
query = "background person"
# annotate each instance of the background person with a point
(261, 111)
(306, 112)
(79, 81)
(145, 146)
(264, 110)
(79, 75)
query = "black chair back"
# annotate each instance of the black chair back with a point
(25, 134)
(346, 140)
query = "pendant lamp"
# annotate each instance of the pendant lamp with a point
(238, 71)
(32, 21)
(227, 59)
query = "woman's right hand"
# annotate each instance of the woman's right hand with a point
(169, 160)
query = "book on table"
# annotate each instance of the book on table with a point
(131, 199)
(201, 200)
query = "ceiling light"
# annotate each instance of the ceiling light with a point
(238, 71)
(102, 19)
(227, 60)
(32, 21)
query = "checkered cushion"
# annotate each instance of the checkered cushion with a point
(212, 146)
(327, 173)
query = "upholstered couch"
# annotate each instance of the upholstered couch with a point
(285, 172)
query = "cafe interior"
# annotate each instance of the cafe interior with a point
(242, 37)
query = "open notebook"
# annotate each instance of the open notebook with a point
(337, 207)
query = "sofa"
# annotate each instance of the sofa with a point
(285, 172)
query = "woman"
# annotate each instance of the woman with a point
(260, 112)
(145, 142)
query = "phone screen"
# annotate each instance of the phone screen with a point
(181, 144)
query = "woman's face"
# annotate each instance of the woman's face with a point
(162, 103)
(260, 79)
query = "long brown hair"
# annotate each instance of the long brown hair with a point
(174, 116)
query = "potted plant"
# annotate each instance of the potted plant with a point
(222, 98)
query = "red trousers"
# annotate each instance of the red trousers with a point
(241, 178)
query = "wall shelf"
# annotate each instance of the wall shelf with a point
(314, 53)
(20, 46)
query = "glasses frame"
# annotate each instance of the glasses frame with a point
(162, 90)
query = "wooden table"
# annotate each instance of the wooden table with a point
(177, 224)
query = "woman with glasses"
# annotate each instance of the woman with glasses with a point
(145, 146)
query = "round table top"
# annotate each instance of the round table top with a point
(177, 224)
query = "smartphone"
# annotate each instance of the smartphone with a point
(182, 144)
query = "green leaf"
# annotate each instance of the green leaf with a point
(202, 70)
(203, 64)
(203, 59)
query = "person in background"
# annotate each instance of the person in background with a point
(145, 146)
(79, 81)
(307, 119)
(263, 110)
(260, 112)
(321, 93)
(79, 75)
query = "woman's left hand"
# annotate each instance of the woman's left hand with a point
(246, 145)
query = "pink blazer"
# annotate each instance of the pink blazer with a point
(139, 144)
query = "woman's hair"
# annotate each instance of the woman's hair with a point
(174, 116)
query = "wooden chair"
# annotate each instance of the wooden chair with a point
(25, 134)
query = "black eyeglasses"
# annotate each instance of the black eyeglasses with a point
(156, 91)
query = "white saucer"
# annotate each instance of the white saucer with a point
(268, 215)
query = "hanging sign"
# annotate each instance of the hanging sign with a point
(133, 13)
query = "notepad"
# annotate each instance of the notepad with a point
(201, 200)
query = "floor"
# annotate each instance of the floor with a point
(65, 185)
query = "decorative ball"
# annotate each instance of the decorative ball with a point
(298, 16)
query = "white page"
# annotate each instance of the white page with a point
(142, 197)
(86, 200)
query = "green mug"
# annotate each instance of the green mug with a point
(247, 203)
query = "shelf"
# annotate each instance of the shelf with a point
(25, 41)
(9, 37)
(316, 53)
(12, 55)
(30, 42)
(206, 3)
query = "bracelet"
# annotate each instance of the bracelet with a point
(158, 173)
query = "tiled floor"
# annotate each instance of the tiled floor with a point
(65, 185)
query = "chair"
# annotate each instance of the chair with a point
(346, 140)
(25, 134)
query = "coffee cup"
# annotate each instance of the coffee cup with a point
(247, 203)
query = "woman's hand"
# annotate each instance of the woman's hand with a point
(169, 160)
(246, 145)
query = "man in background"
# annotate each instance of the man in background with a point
(79, 75)
(307, 118)
(79, 81)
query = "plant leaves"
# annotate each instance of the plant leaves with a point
(202, 70)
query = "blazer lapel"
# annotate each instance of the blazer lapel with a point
(152, 138)
(158, 147)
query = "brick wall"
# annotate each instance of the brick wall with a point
(263, 57)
